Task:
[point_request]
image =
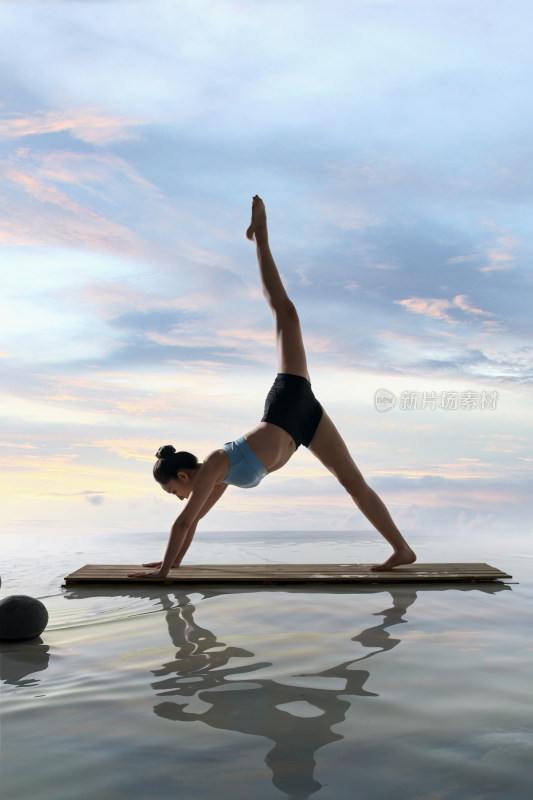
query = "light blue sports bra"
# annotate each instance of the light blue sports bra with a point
(245, 469)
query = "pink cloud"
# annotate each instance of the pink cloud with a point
(461, 301)
(89, 125)
(462, 259)
(497, 256)
(437, 308)
(428, 307)
(500, 256)
(52, 218)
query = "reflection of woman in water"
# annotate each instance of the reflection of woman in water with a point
(292, 417)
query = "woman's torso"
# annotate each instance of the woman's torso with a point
(271, 444)
(291, 417)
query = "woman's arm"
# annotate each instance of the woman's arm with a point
(213, 498)
(206, 492)
(182, 532)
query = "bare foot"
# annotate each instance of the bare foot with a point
(259, 219)
(404, 556)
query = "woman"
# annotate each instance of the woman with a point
(292, 417)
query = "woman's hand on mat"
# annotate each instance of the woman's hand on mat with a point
(154, 564)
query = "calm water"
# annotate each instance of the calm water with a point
(372, 692)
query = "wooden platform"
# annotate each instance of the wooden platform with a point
(288, 573)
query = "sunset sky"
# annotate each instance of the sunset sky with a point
(392, 143)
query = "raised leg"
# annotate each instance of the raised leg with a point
(330, 448)
(289, 342)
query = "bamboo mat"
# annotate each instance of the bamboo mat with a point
(288, 573)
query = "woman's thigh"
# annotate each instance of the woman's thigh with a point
(289, 342)
(331, 450)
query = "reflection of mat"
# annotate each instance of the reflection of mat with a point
(288, 573)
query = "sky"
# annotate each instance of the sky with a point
(391, 141)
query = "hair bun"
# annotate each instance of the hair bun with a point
(166, 451)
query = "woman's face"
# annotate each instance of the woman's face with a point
(180, 486)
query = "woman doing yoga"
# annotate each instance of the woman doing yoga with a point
(292, 417)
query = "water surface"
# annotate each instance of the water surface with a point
(417, 692)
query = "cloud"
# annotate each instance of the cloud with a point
(90, 170)
(42, 191)
(153, 320)
(127, 303)
(501, 255)
(94, 499)
(469, 493)
(89, 125)
(97, 201)
(41, 214)
(436, 308)
(462, 259)
(347, 216)
(428, 307)
(461, 301)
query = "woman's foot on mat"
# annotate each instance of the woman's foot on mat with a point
(399, 557)
(259, 220)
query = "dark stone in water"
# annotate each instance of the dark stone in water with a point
(22, 617)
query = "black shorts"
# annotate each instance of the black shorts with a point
(291, 405)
